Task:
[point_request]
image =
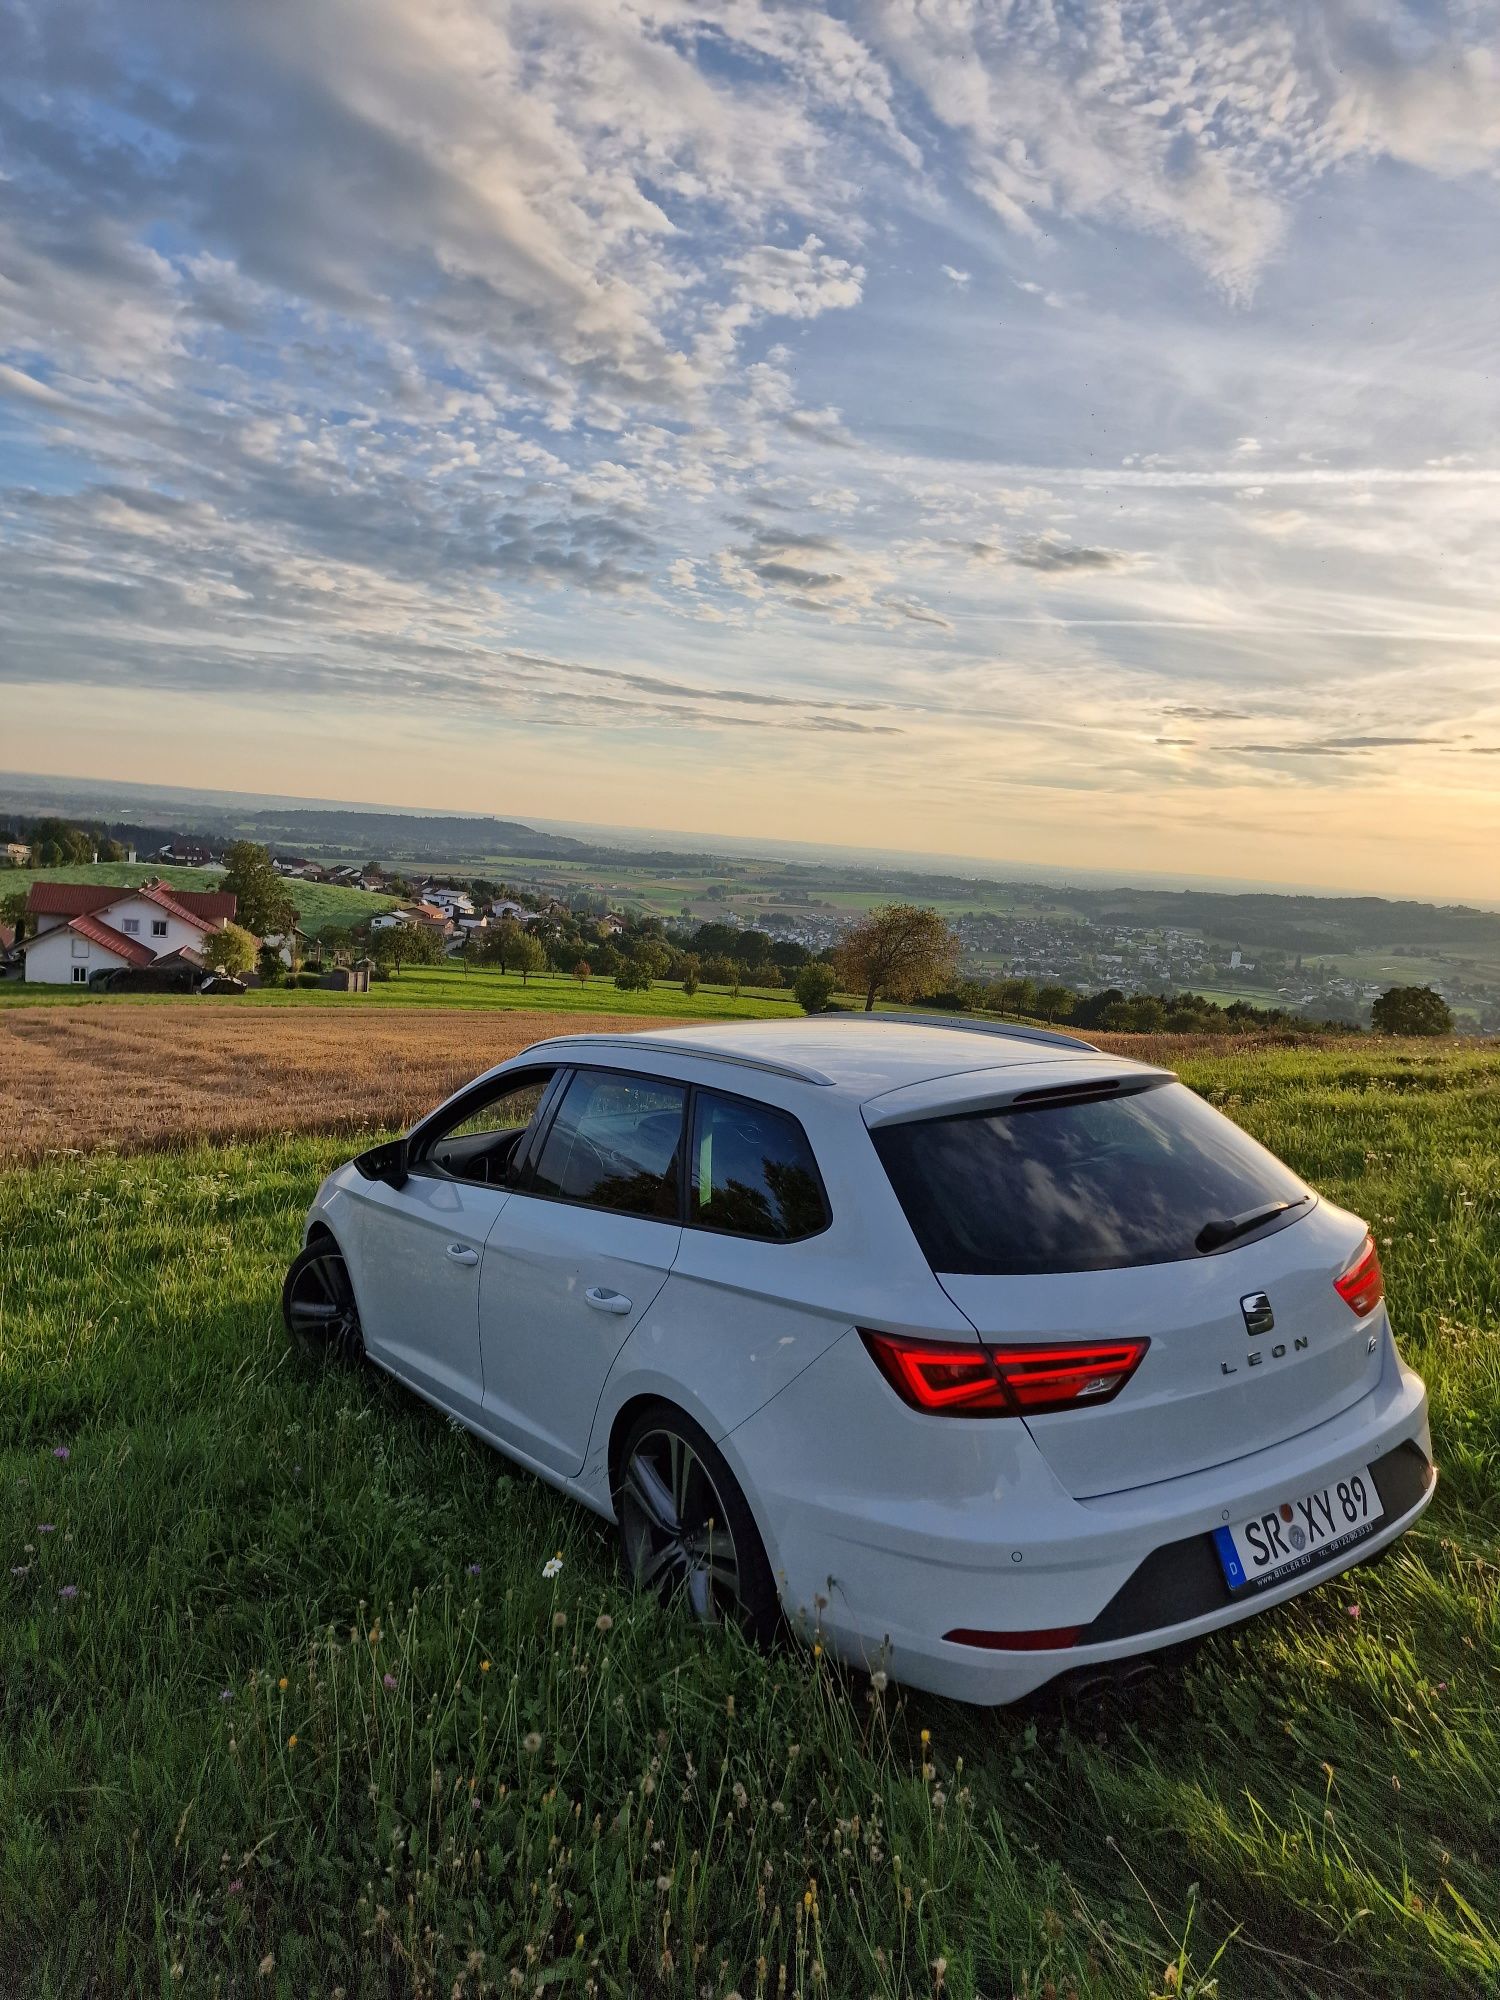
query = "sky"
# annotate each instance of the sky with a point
(1052, 432)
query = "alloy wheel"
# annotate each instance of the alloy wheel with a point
(318, 1306)
(675, 1528)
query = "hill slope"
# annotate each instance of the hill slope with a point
(321, 906)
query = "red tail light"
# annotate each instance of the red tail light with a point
(1362, 1286)
(978, 1381)
(1056, 1640)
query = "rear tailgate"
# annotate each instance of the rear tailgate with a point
(1208, 1388)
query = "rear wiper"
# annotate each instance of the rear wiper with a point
(1224, 1229)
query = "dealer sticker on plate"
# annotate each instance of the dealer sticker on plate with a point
(1296, 1534)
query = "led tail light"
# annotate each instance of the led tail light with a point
(1362, 1286)
(987, 1381)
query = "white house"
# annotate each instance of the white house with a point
(79, 928)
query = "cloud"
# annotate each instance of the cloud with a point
(959, 278)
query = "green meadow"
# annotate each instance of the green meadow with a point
(289, 1708)
(321, 906)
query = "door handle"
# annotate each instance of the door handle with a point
(462, 1254)
(606, 1301)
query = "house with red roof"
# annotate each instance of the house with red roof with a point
(76, 929)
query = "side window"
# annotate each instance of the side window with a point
(487, 1135)
(615, 1143)
(753, 1171)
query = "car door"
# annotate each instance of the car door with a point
(414, 1252)
(577, 1256)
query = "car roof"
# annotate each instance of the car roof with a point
(860, 1056)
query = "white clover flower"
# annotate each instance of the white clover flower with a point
(552, 1567)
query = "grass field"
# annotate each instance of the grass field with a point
(287, 1707)
(321, 906)
(451, 986)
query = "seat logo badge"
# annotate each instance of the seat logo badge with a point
(1259, 1317)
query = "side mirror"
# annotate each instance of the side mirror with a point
(384, 1163)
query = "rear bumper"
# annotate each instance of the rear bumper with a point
(884, 1577)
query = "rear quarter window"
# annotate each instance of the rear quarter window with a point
(753, 1171)
(1095, 1184)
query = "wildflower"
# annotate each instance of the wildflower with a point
(68, 1590)
(267, 1966)
(1354, 1611)
(234, 1887)
(603, 1623)
(553, 1566)
(818, 1649)
(926, 1736)
(20, 1569)
(226, 1694)
(46, 1527)
(559, 1619)
(664, 1883)
(291, 1743)
(282, 1684)
(61, 1451)
(473, 1569)
(531, 1742)
(484, 1666)
(880, 1680)
(388, 1681)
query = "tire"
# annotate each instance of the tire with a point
(677, 1504)
(318, 1307)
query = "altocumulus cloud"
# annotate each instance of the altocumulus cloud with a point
(497, 353)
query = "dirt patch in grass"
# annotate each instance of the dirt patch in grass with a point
(78, 1079)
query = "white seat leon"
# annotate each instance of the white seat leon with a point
(986, 1355)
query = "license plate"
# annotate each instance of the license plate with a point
(1298, 1534)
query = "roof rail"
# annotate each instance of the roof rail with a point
(799, 1072)
(1012, 1031)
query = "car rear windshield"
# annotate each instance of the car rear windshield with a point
(1144, 1175)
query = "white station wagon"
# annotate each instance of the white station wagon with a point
(989, 1356)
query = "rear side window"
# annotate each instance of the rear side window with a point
(1086, 1186)
(753, 1171)
(615, 1143)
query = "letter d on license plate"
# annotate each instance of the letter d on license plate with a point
(1298, 1534)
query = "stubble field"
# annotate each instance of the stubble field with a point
(287, 1705)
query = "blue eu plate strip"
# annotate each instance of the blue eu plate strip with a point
(1234, 1574)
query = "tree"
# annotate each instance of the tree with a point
(634, 976)
(528, 955)
(265, 904)
(813, 987)
(1411, 1010)
(230, 950)
(896, 952)
(721, 971)
(13, 910)
(502, 943)
(582, 972)
(1054, 1003)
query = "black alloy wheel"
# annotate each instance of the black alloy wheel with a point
(317, 1304)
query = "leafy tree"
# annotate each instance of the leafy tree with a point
(1412, 1010)
(528, 955)
(502, 943)
(582, 972)
(268, 964)
(265, 904)
(691, 974)
(1054, 1003)
(230, 950)
(13, 910)
(720, 971)
(633, 976)
(814, 987)
(896, 952)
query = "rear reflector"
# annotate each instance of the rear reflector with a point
(1362, 1286)
(1054, 1641)
(981, 1381)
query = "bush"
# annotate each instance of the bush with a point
(813, 987)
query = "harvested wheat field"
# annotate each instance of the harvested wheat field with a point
(77, 1079)
(133, 1078)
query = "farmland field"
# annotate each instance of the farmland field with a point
(287, 1707)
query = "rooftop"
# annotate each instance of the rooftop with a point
(862, 1055)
